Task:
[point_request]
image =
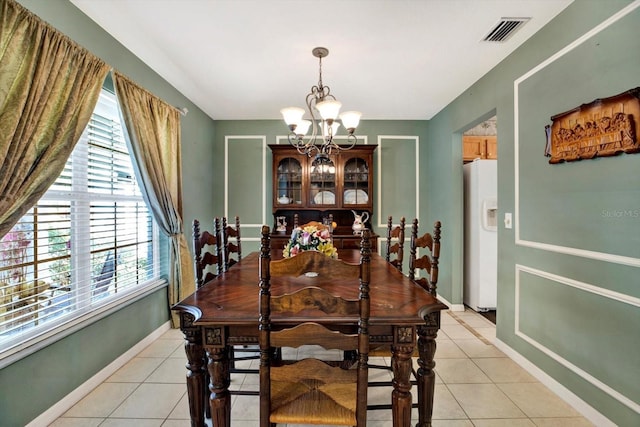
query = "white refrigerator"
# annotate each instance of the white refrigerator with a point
(481, 234)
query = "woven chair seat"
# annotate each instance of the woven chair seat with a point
(313, 392)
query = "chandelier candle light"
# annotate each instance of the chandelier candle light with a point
(320, 100)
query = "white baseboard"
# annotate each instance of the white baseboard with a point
(63, 405)
(564, 393)
(452, 307)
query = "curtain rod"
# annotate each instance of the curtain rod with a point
(182, 110)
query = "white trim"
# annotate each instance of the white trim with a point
(264, 176)
(63, 405)
(603, 256)
(561, 391)
(379, 174)
(452, 307)
(616, 296)
(584, 253)
(381, 242)
(264, 181)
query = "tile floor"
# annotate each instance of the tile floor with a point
(476, 385)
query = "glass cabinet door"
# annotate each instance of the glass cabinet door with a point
(356, 182)
(289, 182)
(322, 185)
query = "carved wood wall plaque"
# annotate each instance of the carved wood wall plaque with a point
(604, 127)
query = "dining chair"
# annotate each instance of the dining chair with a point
(395, 251)
(208, 264)
(395, 257)
(207, 255)
(237, 353)
(428, 261)
(313, 390)
(229, 247)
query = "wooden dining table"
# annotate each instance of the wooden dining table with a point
(224, 312)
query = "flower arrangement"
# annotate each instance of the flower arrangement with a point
(310, 238)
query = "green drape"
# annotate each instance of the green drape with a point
(153, 135)
(49, 87)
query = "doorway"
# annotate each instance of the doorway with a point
(480, 217)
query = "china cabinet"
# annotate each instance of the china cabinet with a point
(314, 191)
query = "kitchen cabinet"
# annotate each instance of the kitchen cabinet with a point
(479, 147)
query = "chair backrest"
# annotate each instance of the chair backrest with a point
(395, 251)
(427, 262)
(230, 247)
(207, 253)
(325, 384)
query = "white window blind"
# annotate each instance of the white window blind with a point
(89, 241)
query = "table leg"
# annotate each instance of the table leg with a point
(426, 376)
(219, 399)
(195, 370)
(401, 395)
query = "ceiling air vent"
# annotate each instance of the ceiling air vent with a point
(504, 29)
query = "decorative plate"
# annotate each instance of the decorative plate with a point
(355, 197)
(325, 198)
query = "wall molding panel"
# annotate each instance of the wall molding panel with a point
(586, 287)
(382, 223)
(230, 141)
(602, 256)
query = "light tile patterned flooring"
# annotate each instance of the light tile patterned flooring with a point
(476, 385)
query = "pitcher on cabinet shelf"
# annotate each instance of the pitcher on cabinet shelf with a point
(358, 222)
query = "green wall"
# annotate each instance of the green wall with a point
(561, 309)
(43, 378)
(568, 287)
(33, 384)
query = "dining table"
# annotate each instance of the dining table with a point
(224, 312)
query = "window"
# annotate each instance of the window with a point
(90, 240)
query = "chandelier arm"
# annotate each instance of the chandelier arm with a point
(301, 146)
(351, 138)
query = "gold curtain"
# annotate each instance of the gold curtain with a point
(153, 129)
(49, 87)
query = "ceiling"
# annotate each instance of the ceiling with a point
(389, 59)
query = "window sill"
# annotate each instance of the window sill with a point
(66, 326)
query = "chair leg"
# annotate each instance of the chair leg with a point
(232, 359)
(233, 370)
(207, 393)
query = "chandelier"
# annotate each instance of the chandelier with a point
(320, 101)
